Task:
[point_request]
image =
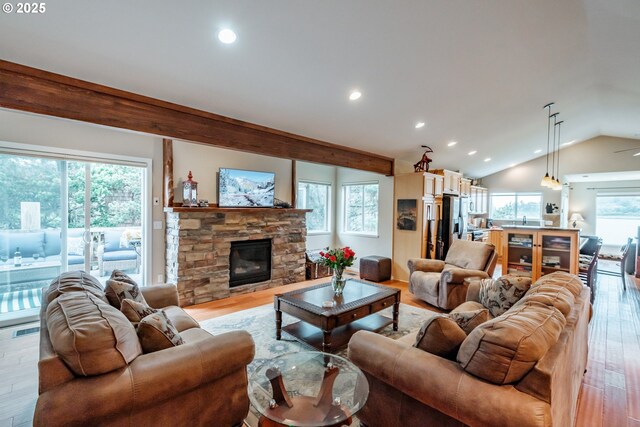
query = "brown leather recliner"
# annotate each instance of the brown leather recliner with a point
(202, 382)
(441, 283)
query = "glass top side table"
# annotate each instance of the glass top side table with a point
(307, 389)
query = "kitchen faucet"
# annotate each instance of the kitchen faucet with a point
(524, 219)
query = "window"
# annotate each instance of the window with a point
(316, 196)
(515, 206)
(617, 217)
(361, 208)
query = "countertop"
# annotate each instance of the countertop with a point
(539, 227)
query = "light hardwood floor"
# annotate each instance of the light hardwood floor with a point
(610, 393)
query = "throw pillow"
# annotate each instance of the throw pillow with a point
(468, 320)
(156, 332)
(75, 246)
(441, 336)
(120, 287)
(121, 276)
(135, 311)
(499, 295)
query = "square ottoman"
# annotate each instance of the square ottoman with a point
(375, 268)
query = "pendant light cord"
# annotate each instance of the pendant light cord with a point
(553, 162)
(559, 124)
(548, 106)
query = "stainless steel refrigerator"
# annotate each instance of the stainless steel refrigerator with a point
(453, 223)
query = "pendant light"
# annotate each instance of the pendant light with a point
(552, 181)
(558, 186)
(546, 180)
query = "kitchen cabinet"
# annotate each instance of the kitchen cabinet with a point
(433, 184)
(478, 200)
(465, 187)
(452, 181)
(534, 252)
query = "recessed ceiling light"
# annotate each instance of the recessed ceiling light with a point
(419, 125)
(537, 151)
(488, 159)
(355, 94)
(512, 165)
(227, 36)
(471, 153)
(452, 143)
(637, 154)
(568, 143)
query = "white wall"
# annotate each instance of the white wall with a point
(66, 134)
(205, 161)
(365, 245)
(327, 174)
(595, 155)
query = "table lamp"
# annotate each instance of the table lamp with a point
(575, 218)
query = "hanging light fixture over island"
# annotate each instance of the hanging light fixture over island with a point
(546, 180)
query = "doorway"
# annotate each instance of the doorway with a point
(63, 214)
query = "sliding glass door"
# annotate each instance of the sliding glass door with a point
(62, 215)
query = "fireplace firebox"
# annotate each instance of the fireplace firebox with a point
(249, 262)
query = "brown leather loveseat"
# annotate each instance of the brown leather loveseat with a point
(493, 380)
(102, 378)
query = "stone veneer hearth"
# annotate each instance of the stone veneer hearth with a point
(198, 242)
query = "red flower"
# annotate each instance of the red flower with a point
(321, 253)
(348, 253)
(332, 258)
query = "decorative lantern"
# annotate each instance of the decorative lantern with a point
(190, 192)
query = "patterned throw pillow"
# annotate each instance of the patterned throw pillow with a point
(120, 287)
(156, 332)
(441, 336)
(135, 311)
(499, 295)
(468, 320)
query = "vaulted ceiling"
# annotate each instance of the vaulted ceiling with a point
(477, 72)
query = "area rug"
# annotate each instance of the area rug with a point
(260, 323)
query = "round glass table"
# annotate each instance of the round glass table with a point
(307, 389)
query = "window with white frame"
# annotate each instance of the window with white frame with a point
(361, 208)
(316, 196)
(516, 206)
(617, 217)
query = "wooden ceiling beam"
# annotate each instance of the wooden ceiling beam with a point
(37, 91)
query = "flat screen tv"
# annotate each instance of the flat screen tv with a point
(242, 188)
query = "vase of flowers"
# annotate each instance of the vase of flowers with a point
(338, 259)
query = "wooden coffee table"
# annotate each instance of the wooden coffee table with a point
(329, 329)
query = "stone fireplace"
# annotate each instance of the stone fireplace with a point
(199, 253)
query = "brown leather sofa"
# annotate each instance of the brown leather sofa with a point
(441, 283)
(411, 387)
(202, 382)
